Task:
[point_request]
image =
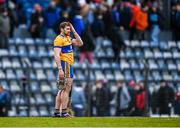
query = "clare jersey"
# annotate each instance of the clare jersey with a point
(65, 43)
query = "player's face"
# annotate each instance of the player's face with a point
(67, 30)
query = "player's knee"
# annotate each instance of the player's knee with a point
(68, 86)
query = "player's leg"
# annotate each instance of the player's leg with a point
(66, 92)
(60, 85)
(57, 105)
(69, 103)
(69, 107)
(58, 102)
(65, 96)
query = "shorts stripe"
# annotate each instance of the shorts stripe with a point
(68, 69)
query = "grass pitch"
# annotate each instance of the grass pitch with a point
(50, 122)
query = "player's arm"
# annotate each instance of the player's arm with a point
(57, 52)
(77, 41)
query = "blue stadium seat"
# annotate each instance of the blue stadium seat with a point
(2, 75)
(35, 87)
(39, 99)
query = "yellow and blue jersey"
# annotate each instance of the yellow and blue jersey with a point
(65, 43)
(66, 55)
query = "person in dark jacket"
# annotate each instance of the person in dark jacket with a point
(117, 41)
(51, 14)
(37, 22)
(176, 23)
(154, 101)
(4, 28)
(165, 98)
(98, 27)
(131, 86)
(13, 18)
(102, 102)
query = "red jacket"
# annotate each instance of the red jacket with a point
(140, 100)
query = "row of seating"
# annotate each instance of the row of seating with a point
(79, 75)
(105, 43)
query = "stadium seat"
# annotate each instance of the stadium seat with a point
(124, 65)
(2, 74)
(35, 87)
(14, 86)
(144, 44)
(148, 54)
(118, 75)
(135, 43)
(6, 63)
(45, 87)
(158, 54)
(163, 46)
(43, 111)
(10, 74)
(39, 99)
(49, 98)
(34, 112)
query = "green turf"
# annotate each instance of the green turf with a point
(88, 122)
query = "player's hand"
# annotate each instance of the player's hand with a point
(72, 28)
(61, 74)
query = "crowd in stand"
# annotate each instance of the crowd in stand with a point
(131, 99)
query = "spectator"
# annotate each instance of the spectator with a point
(78, 23)
(131, 90)
(102, 99)
(13, 17)
(97, 26)
(154, 101)
(98, 29)
(89, 94)
(123, 99)
(78, 100)
(64, 17)
(107, 18)
(134, 10)
(86, 51)
(117, 42)
(139, 22)
(22, 20)
(51, 16)
(139, 99)
(4, 101)
(116, 15)
(154, 18)
(4, 28)
(37, 22)
(177, 104)
(165, 98)
(176, 23)
(126, 15)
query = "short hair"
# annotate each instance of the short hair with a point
(63, 25)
